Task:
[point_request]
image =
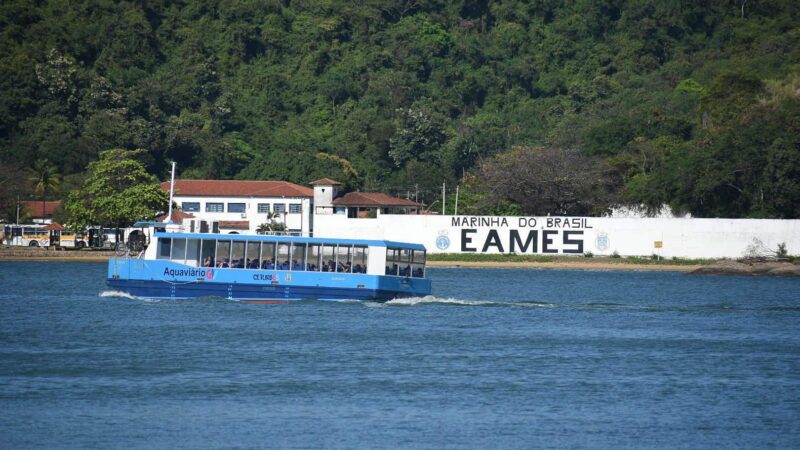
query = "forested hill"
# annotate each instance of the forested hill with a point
(695, 104)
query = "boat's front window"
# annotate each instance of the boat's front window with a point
(178, 249)
(164, 247)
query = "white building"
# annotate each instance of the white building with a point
(241, 206)
(358, 204)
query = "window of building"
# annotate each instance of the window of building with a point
(279, 208)
(215, 207)
(190, 206)
(263, 207)
(295, 208)
(236, 207)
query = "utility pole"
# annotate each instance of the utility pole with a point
(171, 193)
(456, 211)
(443, 197)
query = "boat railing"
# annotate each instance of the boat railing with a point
(286, 233)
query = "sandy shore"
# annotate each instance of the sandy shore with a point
(46, 254)
(55, 258)
(577, 265)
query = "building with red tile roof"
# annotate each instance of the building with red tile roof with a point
(238, 188)
(358, 204)
(41, 212)
(243, 205)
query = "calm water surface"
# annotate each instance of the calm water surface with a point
(496, 358)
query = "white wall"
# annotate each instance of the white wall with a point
(300, 221)
(686, 237)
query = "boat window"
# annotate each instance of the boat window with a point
(237, 255)
(312, 260)
(418, 264)
(360, 254)
(343, 261)
(223, 257)
(193, 252)
(392, 260)
(328, 263)
(282, 261)
(207, 252)
(299, 257)
(406, 255)
(268, 255)
(178, 249)
(164, 247)
(253, 257)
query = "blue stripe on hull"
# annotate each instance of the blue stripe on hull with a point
(240, 291)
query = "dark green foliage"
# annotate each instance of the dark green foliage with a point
(678, 98)
(117, 192)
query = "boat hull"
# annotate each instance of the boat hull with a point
(164, 279)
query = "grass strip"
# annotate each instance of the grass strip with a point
(505, 257)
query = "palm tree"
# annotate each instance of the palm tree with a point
(272, 225)
(45, 179)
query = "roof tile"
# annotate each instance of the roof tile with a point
(239, 188)
(35, 207)
(372, 199)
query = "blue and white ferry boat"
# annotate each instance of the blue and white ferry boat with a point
(271, 269)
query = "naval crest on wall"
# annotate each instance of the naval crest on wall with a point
(602, 242)
(443, 240)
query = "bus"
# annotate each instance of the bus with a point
(30, 235)
(35, 235)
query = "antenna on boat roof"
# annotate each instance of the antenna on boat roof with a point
(171, 193)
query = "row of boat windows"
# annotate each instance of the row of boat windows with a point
(219, 207)
(287, 256)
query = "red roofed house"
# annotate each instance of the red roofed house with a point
(358, 204)
(240, 206)
(41, 212)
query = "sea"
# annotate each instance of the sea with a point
(493, 359)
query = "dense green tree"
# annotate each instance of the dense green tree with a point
(117, 192)
(412, 93)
